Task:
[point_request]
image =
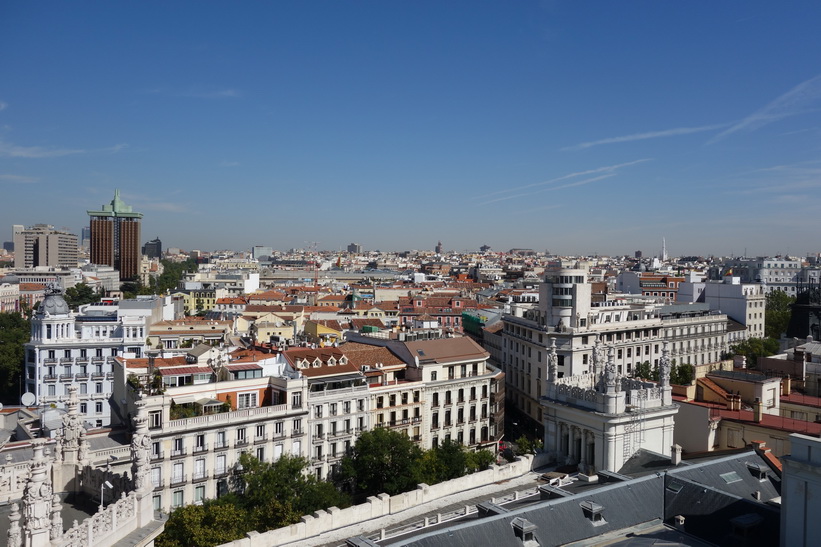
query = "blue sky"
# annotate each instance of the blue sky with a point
(576, 127)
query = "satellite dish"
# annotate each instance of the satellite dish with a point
(28, 399)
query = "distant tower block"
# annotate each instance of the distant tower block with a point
(438, 248)
(115, 237)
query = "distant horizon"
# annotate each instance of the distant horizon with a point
(543, 125)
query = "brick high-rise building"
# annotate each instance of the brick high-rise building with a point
(115, 237)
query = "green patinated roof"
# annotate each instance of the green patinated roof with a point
(117, 208)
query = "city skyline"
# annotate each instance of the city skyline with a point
(577, 128)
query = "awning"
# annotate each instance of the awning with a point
(209, 402)
(183, 371)
(185, 399)
(243, 366)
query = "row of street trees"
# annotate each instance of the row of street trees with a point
(270, 495)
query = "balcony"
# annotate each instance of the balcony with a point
(201, 448)
(241, 442)
(66, 360)
(220, 472)
(82, 361)
(261, 438)
(297, 433)
(50, 378)
(179, 453)
(50, 361)
(158, 485)
(178, 480)
(157, 456)
(221, 445)
(81, 376)
(279, 435)
(199, 476)
(98, 375)
(66, 377)
(318, 438)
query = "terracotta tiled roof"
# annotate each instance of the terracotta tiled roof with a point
(365, 354)
(714, 387)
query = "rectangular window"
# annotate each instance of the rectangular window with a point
(177, 499)
(156, 477)
(221, 468)
(199, 494)
(278, 428)
(98, 408)
(247, 400)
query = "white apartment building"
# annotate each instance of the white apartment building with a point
(69, 348)
(200, 428)
(632, 325)
(741, 302)
(782, 274)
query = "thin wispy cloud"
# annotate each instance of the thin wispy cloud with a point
(551, 188)
(11, 150)
(18, 179)
(649, 135)
(796, 101)
(197, 92)
(3, 105)
(521, 190)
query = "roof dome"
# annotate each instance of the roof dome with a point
(10, 279)
(54, 304)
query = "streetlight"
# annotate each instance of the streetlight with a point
(104, 485)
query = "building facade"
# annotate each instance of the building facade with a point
(42, 245)
(598, 421)
(633, 326)
(78, 349)
(115, 237)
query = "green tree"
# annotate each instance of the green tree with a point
(80, 294)
(453, 458)
(285, 480)
(646, 371)
(777, 313)
(683, 374)
(273, 495)
(753, 348)
(383, 460)
(524, 446)
(480, 460)
(213, 523)
(15, 331)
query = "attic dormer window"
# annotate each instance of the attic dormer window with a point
(758, 471)
(593, 512)
(317, 362)
(331, 362)
(343, 360)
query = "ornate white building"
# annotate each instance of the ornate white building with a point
(600, 420)
(78, 349)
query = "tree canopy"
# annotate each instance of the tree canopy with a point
(387, 461)
(15, 330)
(753, 348)
(79, 295)
(777, 313)
(271, 495)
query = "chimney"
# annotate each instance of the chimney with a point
(678, 522)
(758, 410)
(675, 458)
(786, 385)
